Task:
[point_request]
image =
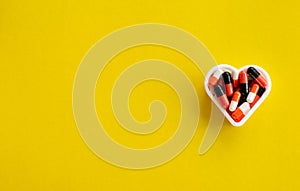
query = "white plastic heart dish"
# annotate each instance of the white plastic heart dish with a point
(236, 100)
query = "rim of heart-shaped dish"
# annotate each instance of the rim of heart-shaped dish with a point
(233, 69)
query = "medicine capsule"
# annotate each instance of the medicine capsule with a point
(214, 78)
(244, 87)
(235, 101)
(235, 76)
(252, 94)
(240, 112)
(257, 77)
(260, 92)
(228, 83)
(222, 98)
(221, 83)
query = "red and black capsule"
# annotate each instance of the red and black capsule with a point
(257, 77)
(244, 87)
(228, 83)
(260, 92)
(222, 98)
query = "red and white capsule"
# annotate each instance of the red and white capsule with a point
(235, 101)
(235, 77)
(241, 111)
(252, 94)
(213, 80)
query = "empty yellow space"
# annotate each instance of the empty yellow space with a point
(143, 95)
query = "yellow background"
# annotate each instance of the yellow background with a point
(42, 44)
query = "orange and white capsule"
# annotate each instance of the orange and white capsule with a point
(235, 101)
(253, 92)
(213, 80)
(241, 111)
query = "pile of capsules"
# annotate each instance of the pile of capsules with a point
(236, 92)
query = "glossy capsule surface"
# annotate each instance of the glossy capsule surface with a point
(253, 92)
(257, 77)
(221, 96)
(228, 82)
(214, 78)
(235, 101)
(243, 80)
(260, 92)
(240, 112)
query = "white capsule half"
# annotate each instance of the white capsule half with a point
(245, 108)
(235, 75)
(218, 73)
(251, 96)
(233, 105)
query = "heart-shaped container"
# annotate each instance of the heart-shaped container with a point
(234, 71)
